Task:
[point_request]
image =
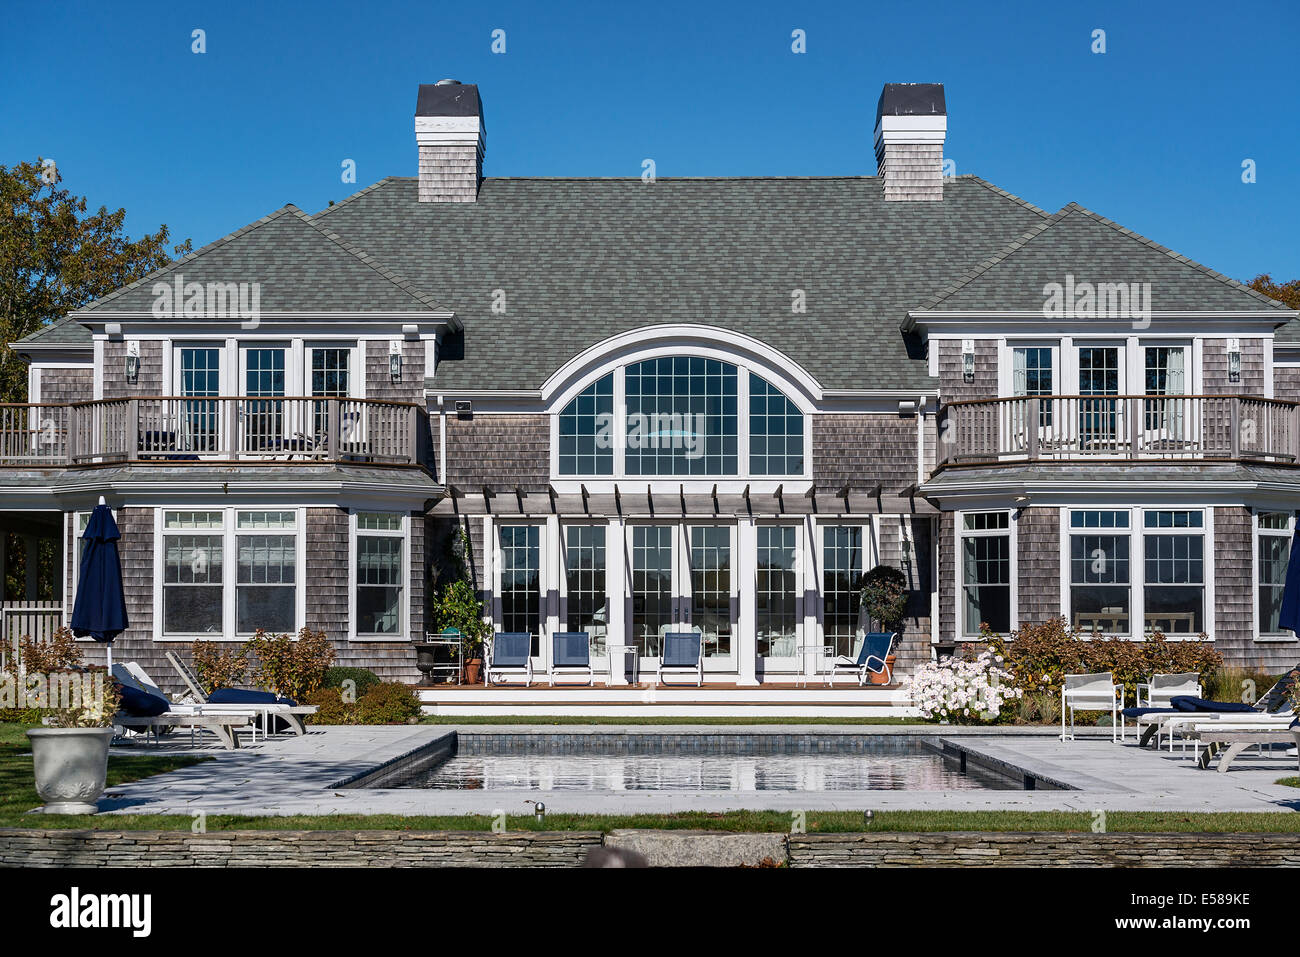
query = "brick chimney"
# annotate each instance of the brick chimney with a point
(450, 135)
(911, 121)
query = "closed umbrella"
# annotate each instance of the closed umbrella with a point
(1289, 617)
(100, 608)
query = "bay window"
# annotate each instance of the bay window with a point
(193, 548)
(986, 572)
(380, 574)
(1100, 591)
(1273, 551)
(1174, 572)
(266, 571)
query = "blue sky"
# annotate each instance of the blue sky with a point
(1151, 133)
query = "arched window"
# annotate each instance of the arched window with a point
(587, 431)
(687, 416)
(775, 431)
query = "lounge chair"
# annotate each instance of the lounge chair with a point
(1155, 697)
(1187, 710)
(222, 724)
(871, 659)
(571, 655)
(1094, 692)
(510, 655)
(271, 705)
(682, 654)
(1237, 738)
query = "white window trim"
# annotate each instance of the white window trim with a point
(1013, 578)
(1257, 634)
(403, 633)
(1137, 562)
(743, 475)
(1132, 359)
(229, 571)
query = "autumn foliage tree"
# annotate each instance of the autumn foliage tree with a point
(55, 257)
(1287, 292)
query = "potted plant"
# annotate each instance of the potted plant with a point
(458, 607)
(884, 596)
(70, 754)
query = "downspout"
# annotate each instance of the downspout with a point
(442, 441)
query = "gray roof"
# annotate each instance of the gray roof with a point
(1290, 333)
(302, 267)
(1079, 242)
(65, 331)
(580, 260)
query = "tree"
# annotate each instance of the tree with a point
(55, 258)
(1287, 292)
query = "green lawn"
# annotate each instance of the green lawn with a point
(1290, 782)
(18, 795)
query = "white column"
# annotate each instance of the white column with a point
(746, 580)
(616, 596)
(491, 605)
(550, 559)
(810, 582)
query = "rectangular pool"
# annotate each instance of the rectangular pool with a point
(677, 762)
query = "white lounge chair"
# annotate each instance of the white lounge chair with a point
(872, 659)
(1237, 738)
(222, 724)
(1095, 692)
(290, 714)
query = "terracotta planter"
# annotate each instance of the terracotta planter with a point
(880, 679)
(71, 767)
(473, 671)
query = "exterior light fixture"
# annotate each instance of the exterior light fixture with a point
(132, 362)
(539, 812)
(464, 409)
(1234, 360)
(866, 817)
(395, 360)
(968, 360)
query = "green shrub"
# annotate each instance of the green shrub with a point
(388, 703)
(385, 703)
(364, 678)
(884, 595)
(457, 606)
(217, 666)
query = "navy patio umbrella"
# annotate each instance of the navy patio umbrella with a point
(1289, 616)
(100, 608)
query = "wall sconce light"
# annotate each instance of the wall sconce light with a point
(395, 360)
(132, 362)
(968, 360)
(1234, 360)
(464, 409)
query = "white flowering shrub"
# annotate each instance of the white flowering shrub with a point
(962, 690)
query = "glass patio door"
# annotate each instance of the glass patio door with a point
(711, 607)
(1101, 375)
(778, 604)
(655, 605)
(262, 413)
(199, 421)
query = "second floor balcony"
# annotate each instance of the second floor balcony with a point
(1119, 428)
(172, 430)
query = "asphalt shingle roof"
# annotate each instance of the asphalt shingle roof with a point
(65, 331)
(580, 260)
(301, 265)
(1093, 249)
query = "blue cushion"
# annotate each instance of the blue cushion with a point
(1139, 712)
(246, 696)
(142, 704)
(1187, 702)
(572, 649)
(875, 646)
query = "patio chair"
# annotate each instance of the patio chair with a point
(1237, 738)
(271, 704)
(150, 711)
(1155, 697)
(510, 655)
(870, 659)
(682, 654)
(1094, 692)
(571, 655)
(1186, 710)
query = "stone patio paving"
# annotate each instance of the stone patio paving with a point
(299, 776)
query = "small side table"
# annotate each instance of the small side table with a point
(623, 652)
(804, 652)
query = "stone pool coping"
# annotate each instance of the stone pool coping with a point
(310, 774)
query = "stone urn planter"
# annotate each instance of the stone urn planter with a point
(1295, 732)
(71, 767)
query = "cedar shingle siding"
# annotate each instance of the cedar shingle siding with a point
(500, 451)
(860, 450)
(1215, 368)
(1038, 535)
(148, 382)
(67, 385)
(952, 386)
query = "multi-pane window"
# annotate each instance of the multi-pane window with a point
(264, 410)
(584, 571)
(1274, 554)
(841, 580)
(1100, 595)
(330, 379)
(775, 431)
(1031, 375)
(521, 581)
(379, 559)
(652, 586)
(586, 431)
(711, 587)
(986, 572)
(1099, 375)
(776, 591)
(681, 417)
(193, 549)
(1164, 375)
(200, 375)
(1174, 572)
(266, 573)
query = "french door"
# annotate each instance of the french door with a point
(199, 422)
(1102, 428)
(778, 599)
(683, 579)
(262, 414)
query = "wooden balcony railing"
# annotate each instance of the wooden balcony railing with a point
(1119, 427)
(179, 429)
